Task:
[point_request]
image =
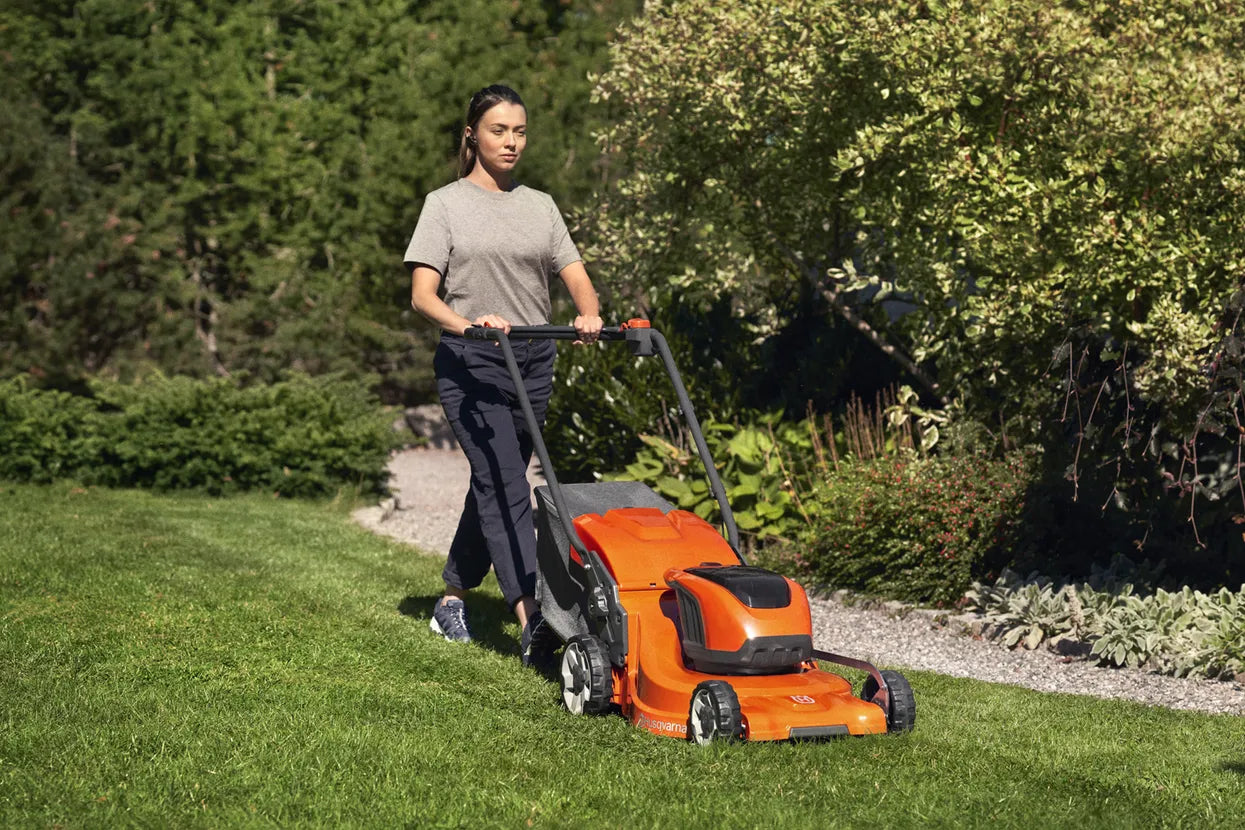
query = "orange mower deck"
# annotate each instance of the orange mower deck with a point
(654, 689)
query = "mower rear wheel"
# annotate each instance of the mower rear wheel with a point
(901, 713)
(714, 714)
(587, 680)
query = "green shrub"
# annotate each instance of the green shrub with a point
(604, 399)
(919, 529)
(41, 432)
(303, 436)
(857, 506)
(755, 462)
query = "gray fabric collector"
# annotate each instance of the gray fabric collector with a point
(495, 251)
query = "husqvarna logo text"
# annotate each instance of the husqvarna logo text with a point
(804, 699)
(645, 722)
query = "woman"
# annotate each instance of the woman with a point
(492, 244)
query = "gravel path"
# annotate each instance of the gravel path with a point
(429, 486)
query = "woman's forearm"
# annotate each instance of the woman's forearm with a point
(583, 295)
(424, 299)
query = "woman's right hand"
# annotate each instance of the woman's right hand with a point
(493, 321)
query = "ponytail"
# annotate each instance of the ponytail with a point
(466, 154)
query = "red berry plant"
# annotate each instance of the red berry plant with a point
(913, 528)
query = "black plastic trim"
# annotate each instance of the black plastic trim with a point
(690, 618)
(754, 587)
(809, 733)
(759, 655)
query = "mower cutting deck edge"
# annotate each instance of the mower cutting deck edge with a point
(662, 618)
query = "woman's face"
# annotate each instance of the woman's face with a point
(501, 135)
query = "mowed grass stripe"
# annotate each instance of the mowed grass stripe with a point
(186, 661)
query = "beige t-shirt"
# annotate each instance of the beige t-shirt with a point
(495, 251)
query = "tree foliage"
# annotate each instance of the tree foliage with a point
(1034, 183)
(217, 186)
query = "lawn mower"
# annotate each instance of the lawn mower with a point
(660, 618)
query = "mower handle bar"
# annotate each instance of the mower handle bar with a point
(610, 333)
(542, 333)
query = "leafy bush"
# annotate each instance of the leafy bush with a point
(1179, 632)
(1073, 220)
(770, 465)
(40, 432)
(857, 506)
(913, 528)
(303, 436)
(754, 463)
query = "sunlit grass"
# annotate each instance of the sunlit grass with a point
(178, 660)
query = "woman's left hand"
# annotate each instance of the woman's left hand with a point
(588, 327)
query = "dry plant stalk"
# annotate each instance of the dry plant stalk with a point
(819, 448)
(865, 430)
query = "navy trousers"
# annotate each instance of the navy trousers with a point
(496, 527)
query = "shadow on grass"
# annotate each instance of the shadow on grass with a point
(487, 617)
(1233, 766)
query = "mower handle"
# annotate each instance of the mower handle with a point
(541, 333)
(645, 341)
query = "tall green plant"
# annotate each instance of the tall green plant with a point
(773, 469)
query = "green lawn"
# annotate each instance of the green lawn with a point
(184, 661)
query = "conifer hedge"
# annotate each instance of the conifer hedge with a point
(302, 436)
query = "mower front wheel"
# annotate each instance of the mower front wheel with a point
(587, 680)
(714, 714)
(901, 711)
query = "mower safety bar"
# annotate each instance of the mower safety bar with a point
(883, 697)
(644, 341)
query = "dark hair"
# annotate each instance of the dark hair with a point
(482, 102)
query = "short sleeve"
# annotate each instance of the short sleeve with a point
(431, 242)
(562, 248)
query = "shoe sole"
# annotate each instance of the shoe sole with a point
(436, 627)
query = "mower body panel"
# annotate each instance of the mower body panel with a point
(639, 544)
(656, 687)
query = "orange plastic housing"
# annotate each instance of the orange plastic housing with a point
(728, 623)
(640, 547)
(643, 543)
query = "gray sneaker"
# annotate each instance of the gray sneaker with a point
(449, 619)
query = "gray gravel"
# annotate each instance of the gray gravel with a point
(429, 486)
